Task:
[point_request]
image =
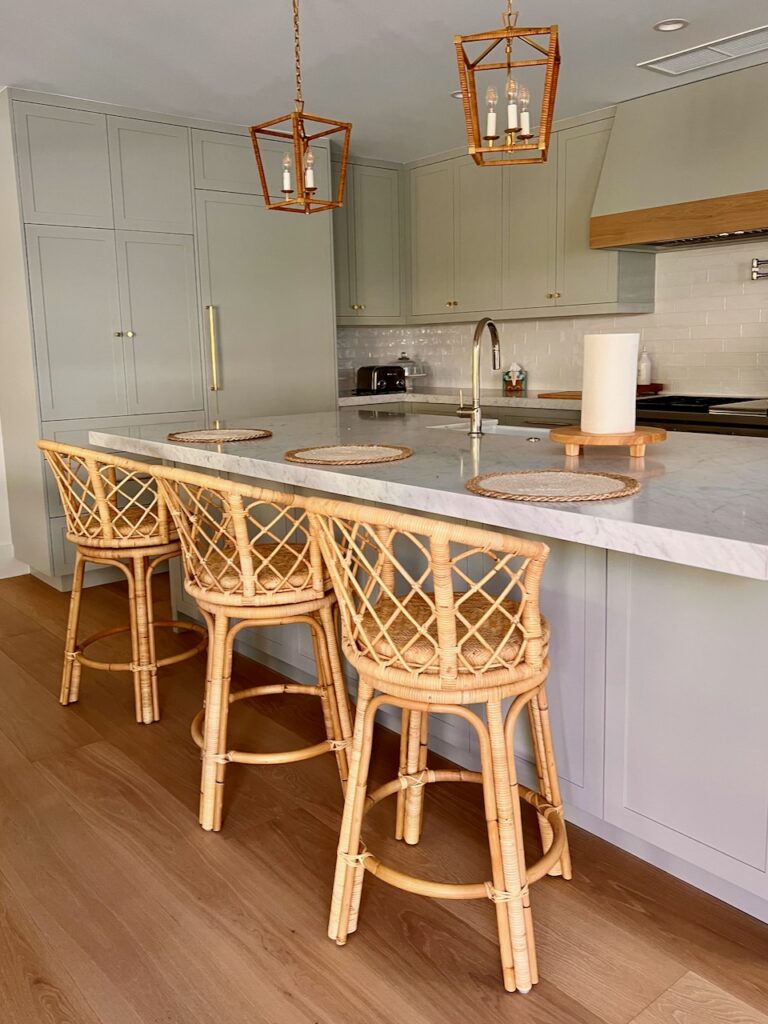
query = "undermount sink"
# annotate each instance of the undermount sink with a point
(493, 427)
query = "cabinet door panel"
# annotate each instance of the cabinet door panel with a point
(269, 278)
(63, 165)
(432, 238)
(478, 220)
(152, 178)
(530, 233)
(158, 298)
(584, 275)
(376, 207)
(344, 248)
(73, 284)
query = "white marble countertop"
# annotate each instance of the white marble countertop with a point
(703, 503)
(450, 396)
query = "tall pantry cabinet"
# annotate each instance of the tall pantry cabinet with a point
(107, 260)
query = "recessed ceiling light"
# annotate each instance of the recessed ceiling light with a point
(456, 95)
(670, 25)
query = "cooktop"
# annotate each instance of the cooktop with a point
(685, 403)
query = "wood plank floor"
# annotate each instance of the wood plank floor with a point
(115, 907)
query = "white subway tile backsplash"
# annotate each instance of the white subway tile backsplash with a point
(709, 333)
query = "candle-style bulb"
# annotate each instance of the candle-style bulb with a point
(491, 98)
(309, 169)
(524, 97)
(287, 173)
(511, 90)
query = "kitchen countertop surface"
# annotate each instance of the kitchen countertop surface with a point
(703, 503)
(450, 396)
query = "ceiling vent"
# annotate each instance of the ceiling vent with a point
(683, 62)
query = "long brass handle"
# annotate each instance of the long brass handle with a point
(212, 338)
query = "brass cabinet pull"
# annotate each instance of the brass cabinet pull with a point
(118, 334)
(130, 334)
(361, 307)
(211, 310)
(449, 304)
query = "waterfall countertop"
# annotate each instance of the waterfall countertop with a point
(703, 502)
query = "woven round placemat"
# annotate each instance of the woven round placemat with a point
(220, 435)
(348, 454)
(553, 485)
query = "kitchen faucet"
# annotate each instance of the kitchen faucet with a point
(473, 412)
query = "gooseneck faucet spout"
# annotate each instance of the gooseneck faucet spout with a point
(473, 412)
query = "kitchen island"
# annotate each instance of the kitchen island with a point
(658, 604)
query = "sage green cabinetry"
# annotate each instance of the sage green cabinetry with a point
(268, 278)
(368, 233)
(529, 233)
(151, 175)
(455, 239)
(115, 321)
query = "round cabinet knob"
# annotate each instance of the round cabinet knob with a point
(361, 307)
(557, 295)
(449, 304)
(130, 334)
(118, 334)
(455, 302)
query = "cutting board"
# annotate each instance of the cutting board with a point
(642, 389)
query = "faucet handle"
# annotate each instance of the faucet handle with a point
(463, 411)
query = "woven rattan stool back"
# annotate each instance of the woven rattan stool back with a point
(242, 546)
(109, 502)
(429, 603)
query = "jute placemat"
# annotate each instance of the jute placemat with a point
(220, 435)
(553, 485)
(348, 454)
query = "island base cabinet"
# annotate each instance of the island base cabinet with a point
(686, 756)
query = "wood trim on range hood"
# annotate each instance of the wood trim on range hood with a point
(701, 218)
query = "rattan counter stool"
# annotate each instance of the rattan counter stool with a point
(437, 616)
(250, 556)
(115, 517)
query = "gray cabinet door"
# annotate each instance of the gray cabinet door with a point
(530, 233)
(432, 239)
(268, 276)
(63, 160)
(375, 208)
(158, 300)
(151, 175)
(584, 275)
(344, 248)
(75, 310)
(477, 242)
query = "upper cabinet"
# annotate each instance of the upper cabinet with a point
(83, 169)
(455, 239)
(512, 242)
(151, 175)
(63, 161)
(368, 233)
(226, 163)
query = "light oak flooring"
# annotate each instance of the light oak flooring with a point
(115, 907)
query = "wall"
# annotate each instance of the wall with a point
(708, 335)
(8, 564)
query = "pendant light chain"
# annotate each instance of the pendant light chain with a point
(297, 57)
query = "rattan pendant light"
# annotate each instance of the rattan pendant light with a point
(536, 51)
(292, 178)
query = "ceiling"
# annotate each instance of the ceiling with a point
(386, 65)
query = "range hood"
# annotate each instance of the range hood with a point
(687, 166)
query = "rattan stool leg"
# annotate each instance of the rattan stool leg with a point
(152, 640)
(415, 764)
(143, 666)
(348, 881)
(327, 692)
(515, 894)
(546, 769)
(338, 681)
(405, 717)
(215, 725)
(70, 678)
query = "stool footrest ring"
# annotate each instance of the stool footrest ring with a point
(130, 666)
(464, 890)
(280, 756)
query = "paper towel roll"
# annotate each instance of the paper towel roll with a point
(609, 386)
